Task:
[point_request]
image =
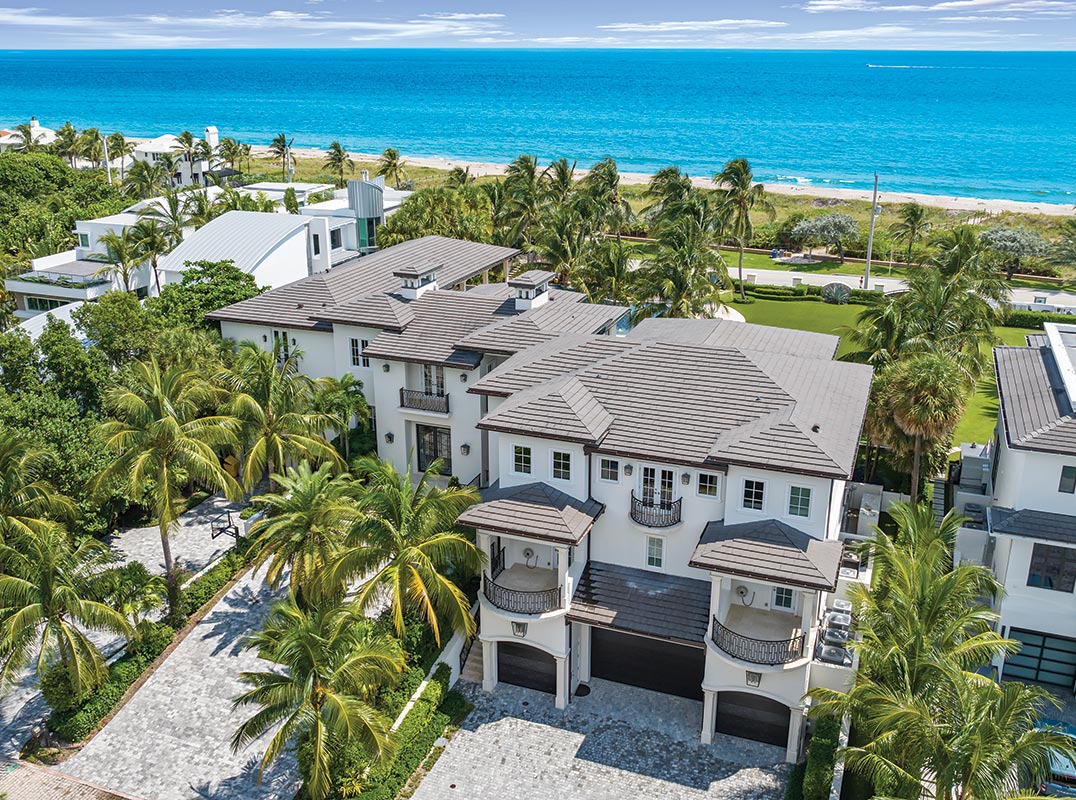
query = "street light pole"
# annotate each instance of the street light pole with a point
(108, 167)
(870, 236)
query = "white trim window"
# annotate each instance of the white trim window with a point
(799, 501)
(784, 598)
(433, 380)
(708, 484)
(754, 495)
(562, 466)
(609, 470)
(655, 552)
(357, 357)
(521, 459)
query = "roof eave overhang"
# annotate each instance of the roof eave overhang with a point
(745, 573)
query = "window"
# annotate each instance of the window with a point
(43, 303)
(707, 486)
(657, 487)
(433, 380)
(433, 444)
(562, 466)
(281, 344)
(317, 245)
(1040, 300)
(799, 501)
(753, 494)
(782, 598)
(335, 240)
(521, 460)
(655, 552)
(83, 240)
(1052, 567)
(357, 358)
(609, 469)
(1068, 480)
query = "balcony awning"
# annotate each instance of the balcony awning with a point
(642, 602)
(533, 510)
(771, 551)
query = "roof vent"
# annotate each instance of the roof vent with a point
(814, 428)
(415, 281)
(298, 305)
(532, 288)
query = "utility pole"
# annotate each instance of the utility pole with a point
(108, 167)
(870, 236)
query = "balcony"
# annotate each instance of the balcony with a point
(424, 401)
(520, 590)
(655, 514)
(766, 651)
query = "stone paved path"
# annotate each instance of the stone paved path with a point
(618, 742)
(172, 739)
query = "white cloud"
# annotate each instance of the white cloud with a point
(458, 16)
(38, 17)
(691, 25)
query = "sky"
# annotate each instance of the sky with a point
(806, 24)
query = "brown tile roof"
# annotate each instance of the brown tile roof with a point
(531, 278)
(542, 363)
(741, 335)
(1043, 525)
(769, 550)
(1035, 410)
(21, 780)
(691, 404)
(641, 601)
(301, 304)
(385, 311)
(536, 510)
(564, 313)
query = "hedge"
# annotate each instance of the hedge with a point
(821, 759)
(75, 724)
(794, 787)
(1035, 319)
(202, 590)
(804, 293)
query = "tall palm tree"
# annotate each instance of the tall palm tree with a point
(145, 179)
(119, 148)
(27, 500)
(274, 404)
(742, 196)
(170, 212)
(27, 141)
(48, 606)
(407, 544)
(230, 152)
(667, 189)
(458, 177)
(162, 440)
(245, 151)
(328, 669)
(199, 207)
(305, 524)
(927, 396)
(558, 181)
(66, 144)
(343, 400)
(186, 148)
(912, 224)
(561, 241)
(123, 254)
(90, 147)
(152, 242)
(523, 186)
(338, 161)
(280, 149)
(609, 277)
(391, 163)
(1063, 251)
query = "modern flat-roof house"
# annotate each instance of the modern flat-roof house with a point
(358, 209)
(1019, 493)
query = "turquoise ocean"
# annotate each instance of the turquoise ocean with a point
(996, 125)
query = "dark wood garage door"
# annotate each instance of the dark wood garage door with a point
(521, 665)
(648, 663)
(751, 716)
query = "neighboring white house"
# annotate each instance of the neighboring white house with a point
(42, 136)
(188, 172)
(364, 204)
(1020, 492)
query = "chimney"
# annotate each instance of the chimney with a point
(212, 136)
(531, 289)
(34, 124)
(417, 281)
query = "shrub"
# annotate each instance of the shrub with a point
(821, 759)
(56, 689)
(1034, 319)
(202, 590)
(794, 788)
(152, 638)
(392, 699)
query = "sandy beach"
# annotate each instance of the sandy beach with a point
(479, 168)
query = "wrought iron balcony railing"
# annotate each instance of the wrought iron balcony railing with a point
(520, 602)
(655, 513)
(423, 401)
(758, 651)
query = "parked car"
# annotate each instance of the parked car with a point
(1062, 779)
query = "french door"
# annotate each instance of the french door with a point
(434, 443)
(657, 486)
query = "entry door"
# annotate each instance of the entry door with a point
(657, 486)
(434, 443)
(1042, 658)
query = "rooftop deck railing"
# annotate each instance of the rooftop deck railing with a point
(770, 652)
(521, 602)
(424, 401)
(655, 513)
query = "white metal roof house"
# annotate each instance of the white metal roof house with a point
(42, 136)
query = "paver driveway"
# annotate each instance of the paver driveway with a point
(172, 739)
(618, 742)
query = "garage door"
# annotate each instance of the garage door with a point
(648, 663)
(751, 716)
(1042, 658)
(521, 665)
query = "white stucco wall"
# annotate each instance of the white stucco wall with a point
(1030, 607)
(1027, 479)
(342, 336)
(775, 500)
(317, 360)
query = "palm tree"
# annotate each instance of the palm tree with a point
(609, 277)
(123, 254)
(338, 160)
(230, 152)
(48, 607)
(161, 441)
(523, 186)
(329, 667)
(927, 396)
(458, 177)
(66, 144)
(120, 148)
(668, 188)
(152, 242)
(170, 212)
(245, 151)
(90, 147)
(274, 404)
(199, 208)
(742, 196)
(27, 500)
(27, 140)
(304, 527)
(280, 149)
(145, 180)
(407, 543)
(133, 591)
(343, 400)
(562, 242)
(391, 163)
(558, 181)
(186, 148)
(912, 224)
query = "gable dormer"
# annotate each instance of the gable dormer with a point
(416, 281)
(531, 288)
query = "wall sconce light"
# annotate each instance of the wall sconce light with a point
(628, 469)
(685, 478)
(265, 338)
(385, 367)
(519, 629)
(465, 449)
(754, 679)
(389, 438)
(463, 377)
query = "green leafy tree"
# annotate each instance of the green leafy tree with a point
(29, 503)
(391, 164)
(1013, 245)
(152, 241)
(119, 326)
(66, 144)
(338, 162)
(291, 201)
(1063, 252)
(205, 286)
(457, 214)
(833, 230)
(70, 369)
(328, 668)
(133, 591)
(458, 177)
(742, 197)
(408, 546)
(19, 361)
(343, 401)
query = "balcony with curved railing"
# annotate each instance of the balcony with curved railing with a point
(655, 513)
(424, 401)
(520, 601)
(769, 652)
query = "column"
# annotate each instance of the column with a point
(562, 681)
(709, 715)
(489, 666)
(795, 735)
(485, 276)
(584, 653)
